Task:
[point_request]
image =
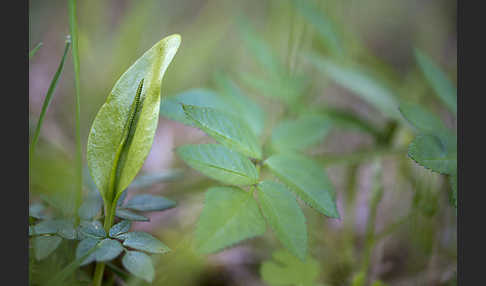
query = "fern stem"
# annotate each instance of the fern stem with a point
(73, 29)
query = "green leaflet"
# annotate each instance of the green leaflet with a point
(147, 203)
(139, 264)
(322, 24)
(230, 215)
(243, 106)
(219, 163)
(430, 152)
(92, 229)
(284, 216)
(87, 245)
(298, 134)
(172, 106)
(109, 154)
(226, 129)
(108, 249)
(286, 269)
(308, 179)
(423, 120)
(360, 83)
(120, 228)
(45, 245)
(144, 241)
(129, 215)
(442, 86)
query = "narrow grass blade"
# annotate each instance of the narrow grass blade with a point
(34, 50)
(48, 98)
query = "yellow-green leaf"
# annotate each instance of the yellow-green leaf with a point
(123, 130)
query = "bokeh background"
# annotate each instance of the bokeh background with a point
(414, 220)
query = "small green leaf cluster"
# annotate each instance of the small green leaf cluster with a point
(435, 146)
(246, 202)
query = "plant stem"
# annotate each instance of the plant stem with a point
(73, 29)
(376, 197)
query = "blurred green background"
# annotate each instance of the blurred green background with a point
(417, 225)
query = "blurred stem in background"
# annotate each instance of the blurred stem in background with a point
(73, 29)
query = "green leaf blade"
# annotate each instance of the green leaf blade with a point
(108, 127)
(226, 129)
(120, 228)
(286, 269)
(298, 134)
(108, 249)
(86, 246)
(442, 86)
(359, 82)
(219, 163)
(430, 152)
(307, 179)
(145, 242)
(423, 120)
(139, 264)
(45, 245)
(230, 215)
(285, 216)
(129, 215)
(147, 202)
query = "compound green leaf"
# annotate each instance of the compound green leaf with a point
(230, 215)
(139, 264)
(359, 82)
(286, 269)
(298, 134)
(45, 245)
(226, 129)
(147, 202)
(442, 86)
(144, 241)
(108, 249)
(285, 217)
(120, 228)
(431, 153)
(219, 163)
(129, 215)
(308, 179)
(123, 130)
